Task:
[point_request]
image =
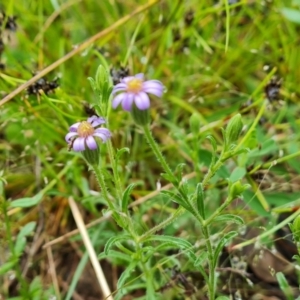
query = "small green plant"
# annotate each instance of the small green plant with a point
(139, 247)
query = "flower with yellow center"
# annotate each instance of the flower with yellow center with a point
(134, 91)
(85, 129)
(134, 85)
(86, 133)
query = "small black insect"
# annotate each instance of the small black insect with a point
(89, 110)
(116, 75)
(10, 21)
(176, 34)
(272, 89)
(71, 142)
(42, 85)
(189, 17)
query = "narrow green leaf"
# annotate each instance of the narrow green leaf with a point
(178, 171)
(36, 288)
(225, 239)
(120, 152)
(92, 83)
(223, 298)
(200, 200)
(224, 139)
(20, 245)
(21, 238)
(116, 255)
(201, 259)
(113, 240)
(284, 286)
(126, 197)
(178, 242)
(230, 218)
(147, 253)
(7, 267)
(215, 147)
(169, 178)
(184, 187)
(241, 151)
(177, 199)
(125, 275)
(27, 229)
(27, 202)
(212, 141)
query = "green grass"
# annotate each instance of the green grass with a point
(210, 68)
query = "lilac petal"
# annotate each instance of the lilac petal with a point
(104, 131)
(74, 127)
(126, 79)
(102, 136)
(118, 99)
(119, 87)
(79, 144)
(91, 143)
(139, 76)
(70, 135)
(153, 84)
(156, 92)
(127, 101)
(92, 118)
(96, 121)
(142, 101)
(116, 90)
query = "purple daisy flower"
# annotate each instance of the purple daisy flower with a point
(83, 134)
(134, 90)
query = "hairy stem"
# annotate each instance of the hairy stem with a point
(212, 273)
(115, 171)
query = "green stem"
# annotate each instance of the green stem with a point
(162, 225)
(274, 162)
(103, 187)
(253, 126)
(267, 233)
(157, 152)
(105, 195)
(212, 171)
(211, 267)
(217, 212)
(147, 273)
(115, 171)
(126, 224)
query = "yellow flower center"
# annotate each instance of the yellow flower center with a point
(85, 129)
(134, 85)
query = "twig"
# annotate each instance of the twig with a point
(52, 272)
(76, 50)
(90, 249)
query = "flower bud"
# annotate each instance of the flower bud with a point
(233, 129)
(236, 189)
(195, 124)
